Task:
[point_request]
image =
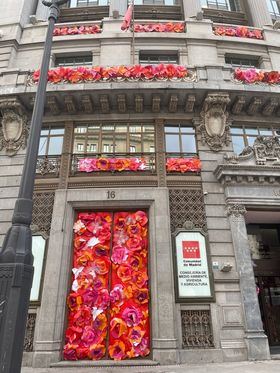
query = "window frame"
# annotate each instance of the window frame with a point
(88, 3)
(241, 58)
(229, 5)
(99, 134)
(246, 136)
(157, 54)
(180, 134)
(82, 55)
(272, 8)
(48, 137)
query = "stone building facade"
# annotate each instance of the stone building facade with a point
(228, 122)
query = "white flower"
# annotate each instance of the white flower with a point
(78, 226)
(95, 312)
(93, 242)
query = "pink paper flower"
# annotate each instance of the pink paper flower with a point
(120, 254)
(132, 316)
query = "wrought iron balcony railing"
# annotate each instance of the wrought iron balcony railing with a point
(113, 163)
(48, 165)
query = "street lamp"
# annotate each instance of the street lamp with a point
(16, 259)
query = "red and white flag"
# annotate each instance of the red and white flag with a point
(127, 18)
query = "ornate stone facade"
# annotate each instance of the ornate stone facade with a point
(14, 130)
(214, 126)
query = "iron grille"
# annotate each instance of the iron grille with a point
(197, 329)
(42, 211)
(29, 332)
(187, 205)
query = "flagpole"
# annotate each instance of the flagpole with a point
(133, 35)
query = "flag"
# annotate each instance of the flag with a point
(127, 18)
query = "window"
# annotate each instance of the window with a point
(156, 2)
(246, 136)
(231, 5)
(158, 57)
(83, 3)
(51, 141)
(114, 138)
(180, 139)
(38, 251)
(241, 61)
(274, 8)
(74, 61)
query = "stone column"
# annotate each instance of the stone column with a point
(66, 156)
(160, 155)
(258, 13)
(118, 5)
(255, 338)
(191, 7)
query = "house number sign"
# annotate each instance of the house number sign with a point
(192, 270)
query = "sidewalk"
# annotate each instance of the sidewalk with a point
(242, 367)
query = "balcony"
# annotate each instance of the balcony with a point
(48, 166)
(84, 10)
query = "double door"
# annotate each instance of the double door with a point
(108, 304)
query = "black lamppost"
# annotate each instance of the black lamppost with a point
(16, 259)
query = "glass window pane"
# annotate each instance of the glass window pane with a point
(188, 144)
(187, 130)
(148, 142)
(92, 143)
(44, 132)
(55, 145)
(251, 140)
(57, 131)
(121, 143)
(121, 128)
(147, 128)
(107, 143)
(108, 127)
(135, 141)
(172, 143)
(266, 131)
(252, 131)
(42, 146)
(238, 144)
(135, 129)
(236, 130)
(80, 129)
(171, 129)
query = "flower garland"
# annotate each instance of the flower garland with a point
(77, 30)
(240, 32)
(251, 76)
(115, 73)
(111, 164)
(160, 27)
(183, 165)
(96, 305)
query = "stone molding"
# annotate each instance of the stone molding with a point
(214, 127)
(258, 163)
(236, 210)
(14, 130)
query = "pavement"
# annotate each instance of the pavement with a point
(271, 366)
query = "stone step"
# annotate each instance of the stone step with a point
(105, 363)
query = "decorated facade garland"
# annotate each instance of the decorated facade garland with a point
(158, 72)
(111, 164)
(239, 31)
(77, 30)
(160, 27)
(183, 165)
(109, 297)
(255, 76)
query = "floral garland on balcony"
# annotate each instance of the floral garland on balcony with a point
(111, 164)
(77, 30)
(183, 165)
(160, 27)
(161, 72)
(240, 32)
(255, 76)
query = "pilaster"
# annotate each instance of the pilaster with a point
(255, 338)
(191, 7)
(160, 154)
(65, 164)
(258, 13)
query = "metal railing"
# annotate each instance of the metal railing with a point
(48, 165)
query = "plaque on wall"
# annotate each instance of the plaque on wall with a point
(193, 280)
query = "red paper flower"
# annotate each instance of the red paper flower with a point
(117, 351)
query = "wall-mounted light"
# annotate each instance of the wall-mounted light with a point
(226, 267)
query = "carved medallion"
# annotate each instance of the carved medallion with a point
(14, 130)
(214, 127)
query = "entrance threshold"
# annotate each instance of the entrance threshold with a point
(104, 363)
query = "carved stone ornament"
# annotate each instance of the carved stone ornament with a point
(265, 151)
(14, 129)
(236, 210)
(214, 127)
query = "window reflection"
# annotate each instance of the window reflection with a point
(180, 139)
